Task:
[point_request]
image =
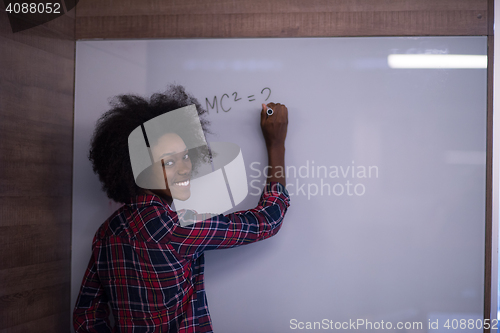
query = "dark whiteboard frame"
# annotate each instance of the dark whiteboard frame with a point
(491, 246)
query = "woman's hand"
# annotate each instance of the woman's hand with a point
(274, 128)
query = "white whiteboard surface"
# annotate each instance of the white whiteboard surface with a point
(404, 243)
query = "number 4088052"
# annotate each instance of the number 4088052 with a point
(33, 8)
(471, 324)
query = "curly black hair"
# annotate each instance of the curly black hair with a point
(109, 151)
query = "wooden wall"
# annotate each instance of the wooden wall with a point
(278, 18)
(36, 152)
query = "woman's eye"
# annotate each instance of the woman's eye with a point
(186, 156)
(169, 163)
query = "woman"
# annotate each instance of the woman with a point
(144, 264)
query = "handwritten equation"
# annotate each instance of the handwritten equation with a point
(225, 100)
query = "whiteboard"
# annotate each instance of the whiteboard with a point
(386, 172)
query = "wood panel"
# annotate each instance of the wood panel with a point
(179, 7)
(55, 274)
(39, 37)
(34, 304)
(21, 62)
(28, 245)
(36, 139)
(280, 18)
(13, 210)
(50, 286)
(49, 324)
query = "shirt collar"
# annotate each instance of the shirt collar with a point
(144, 200)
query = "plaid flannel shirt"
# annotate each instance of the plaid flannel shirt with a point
(150, 269)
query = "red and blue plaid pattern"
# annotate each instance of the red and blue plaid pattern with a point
(149, 268)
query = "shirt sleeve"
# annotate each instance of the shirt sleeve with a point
(91, 310)
(243, 227)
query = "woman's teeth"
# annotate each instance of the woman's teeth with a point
(186, 183)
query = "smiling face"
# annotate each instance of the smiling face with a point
(177, 167)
